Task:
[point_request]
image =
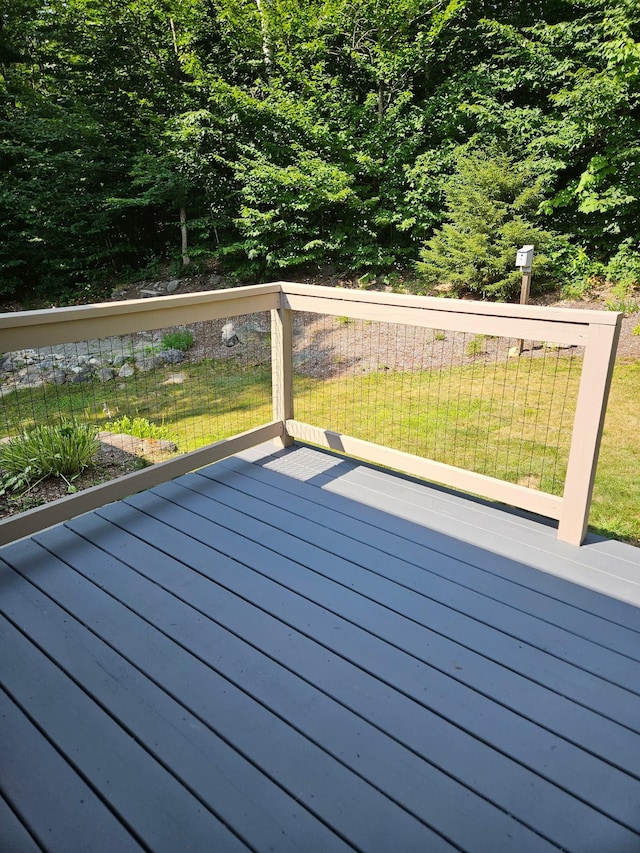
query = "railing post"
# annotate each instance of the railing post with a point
(591, 406)
(282, 369)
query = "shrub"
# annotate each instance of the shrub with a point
(137, 427)
(50, 450)
(580, 273)
(181, 340)
(491, 206)
(623, 270)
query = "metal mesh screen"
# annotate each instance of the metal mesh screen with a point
(148, 396)
(466, 400)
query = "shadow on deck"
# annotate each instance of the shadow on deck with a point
(298, 652)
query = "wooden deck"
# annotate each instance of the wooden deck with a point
(296, 652)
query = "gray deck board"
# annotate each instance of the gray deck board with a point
(294, 651)
(53, 800)
(468, 531)
(497, 578)
(390, 636)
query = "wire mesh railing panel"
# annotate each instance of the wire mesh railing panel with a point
(134, 399)
(472, 401)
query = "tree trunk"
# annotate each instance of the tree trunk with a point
(266, 46)
(186, 260)
(173, 36)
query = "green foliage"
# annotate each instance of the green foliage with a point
(285, 133)
(293, 214)
(476, 346)
(48, 450)
(181, 340)
(138, 427)
(623, 269)
(579, 274)
(491, 205)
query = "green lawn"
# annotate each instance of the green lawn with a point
(615, 510)
(510, 421)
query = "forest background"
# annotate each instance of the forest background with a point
(265, 136)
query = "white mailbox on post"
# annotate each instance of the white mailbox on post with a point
(524, 258)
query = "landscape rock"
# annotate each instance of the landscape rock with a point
(171, 356)
(105, 374)
(99, 360)
(150, 448)
(145, 364)
(175, 379)
(126, 370)
(57, 377)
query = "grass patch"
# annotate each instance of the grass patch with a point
(410, 413)
(615, 510)
(215, 400)
(493, 421)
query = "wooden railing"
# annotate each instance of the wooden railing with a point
(596, 331)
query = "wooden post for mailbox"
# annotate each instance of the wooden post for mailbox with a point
(524, 260)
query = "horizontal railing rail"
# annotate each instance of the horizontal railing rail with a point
(596, 331)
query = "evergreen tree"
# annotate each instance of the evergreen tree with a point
(491, 205)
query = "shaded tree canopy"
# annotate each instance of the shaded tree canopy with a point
(282, 133)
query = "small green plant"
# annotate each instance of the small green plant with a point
(626, 306)
(151, 350)
(366, 280)
(344, 321)
(636, 330)
(439, 335)
(15, 482)
(475, 346)
(181, 340)
(137, 427)
(49, 450)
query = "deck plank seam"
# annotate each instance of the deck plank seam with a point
(122, 725)
(7, 799)
(349, 767)
(320, 690)
(281, 464)
(444, 769)
(319, 497)
(532, 534)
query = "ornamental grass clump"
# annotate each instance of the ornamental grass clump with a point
(49, 450)
(180, 340)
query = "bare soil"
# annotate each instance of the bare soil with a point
(372, 349)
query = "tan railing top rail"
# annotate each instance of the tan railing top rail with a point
(596, 331)
(24, 329)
